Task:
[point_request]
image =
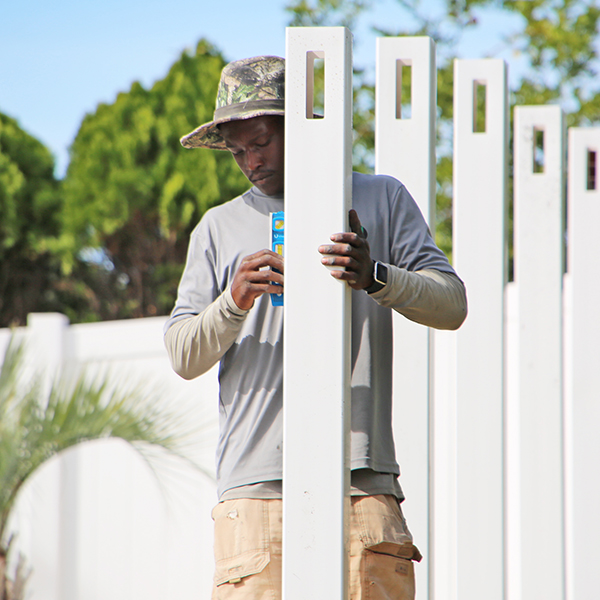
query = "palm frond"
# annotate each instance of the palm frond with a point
(36, 424)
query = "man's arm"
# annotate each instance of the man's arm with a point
(430, 297)
(196, 342)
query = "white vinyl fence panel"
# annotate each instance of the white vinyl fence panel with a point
(479, 252)
(582, 375)
(538, 263)
(316, 365)
(405, 149)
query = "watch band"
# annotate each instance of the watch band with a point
(380, 277)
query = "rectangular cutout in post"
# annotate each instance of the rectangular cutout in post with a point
(315, 84)
(591, 170)
(403, 89)
(479, 106)
(538, 150)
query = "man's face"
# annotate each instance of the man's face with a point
(257, 146)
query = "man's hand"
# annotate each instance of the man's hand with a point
(350, 250)
(252, 279)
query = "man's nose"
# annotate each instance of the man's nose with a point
(253, 160)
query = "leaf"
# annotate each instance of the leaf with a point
(35, 425)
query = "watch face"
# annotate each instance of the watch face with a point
(380, 273)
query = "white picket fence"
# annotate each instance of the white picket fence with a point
(495, 424)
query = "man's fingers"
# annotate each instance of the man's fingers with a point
(349, 238)
(349, 276)
(338, 249)
(350, 252)
(347, 262)
(356, 225)
(264, 276)
(257, 274)
(264, 258)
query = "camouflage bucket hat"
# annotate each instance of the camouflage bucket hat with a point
(249, 88)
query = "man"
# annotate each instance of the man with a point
(224, 313)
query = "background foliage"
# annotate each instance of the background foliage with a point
(133, 194)
(29, 212)
(109, 240)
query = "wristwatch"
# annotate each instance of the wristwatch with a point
(380, 276)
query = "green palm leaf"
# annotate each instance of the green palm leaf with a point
(37, 423)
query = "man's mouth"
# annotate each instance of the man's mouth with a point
(260, 178)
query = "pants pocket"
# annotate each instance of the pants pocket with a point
(235, 568)
(383, 528)
(387, 577)
(382, 551)
(241, 540)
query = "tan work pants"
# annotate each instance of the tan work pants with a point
(248, 550)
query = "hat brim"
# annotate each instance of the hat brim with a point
(209, 136)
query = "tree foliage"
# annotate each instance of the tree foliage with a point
(560, 43)
(29, 208)
(132, 194)
(326, 13)
(31, 278)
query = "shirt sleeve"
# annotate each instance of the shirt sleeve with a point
(205, 320)
(196, 343)
(433, 298)
(422, 285)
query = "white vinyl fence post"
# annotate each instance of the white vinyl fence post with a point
(539, 264)
(479, 252)
(582, 397)
(46, 349)
(405, 149)
(316, 395)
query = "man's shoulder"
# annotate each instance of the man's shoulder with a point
(227, 208)
(224, 214)
(364, 181)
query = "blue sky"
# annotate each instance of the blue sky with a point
(59, 59)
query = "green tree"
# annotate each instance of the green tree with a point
(326, 13)
(560, 42)
(29, 205)
(31, 278)
(132, 194)
(37, 423)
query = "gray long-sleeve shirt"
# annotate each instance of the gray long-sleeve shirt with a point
(206, 326)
